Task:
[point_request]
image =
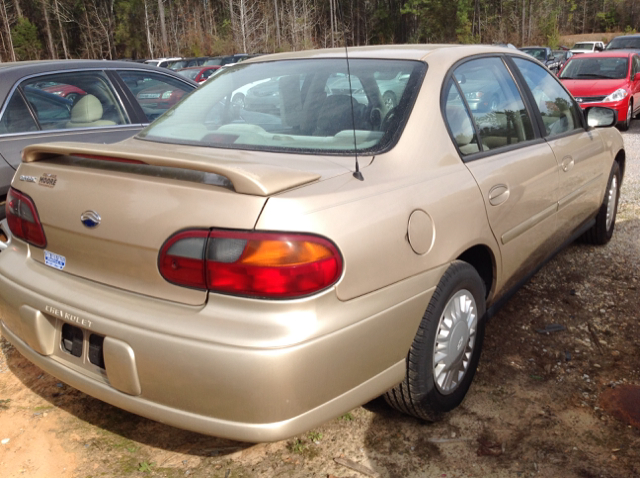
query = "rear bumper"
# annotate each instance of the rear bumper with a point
(236, 368)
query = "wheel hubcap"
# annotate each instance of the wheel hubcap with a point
(611, 201)
(629, 113)
(455, 340)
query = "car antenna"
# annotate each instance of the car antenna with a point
(356, 174)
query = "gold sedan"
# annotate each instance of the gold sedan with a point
(253, 269)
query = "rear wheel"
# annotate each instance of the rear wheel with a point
(602, 231)
(445, 352)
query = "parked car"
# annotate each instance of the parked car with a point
(227, 59)
(545, 56)
(186, 63)
(562, 56)
(587, 47)
(253, 280)
(610, 79)
(198, 74)
(626, 42)
(162, 62)
(99, 104)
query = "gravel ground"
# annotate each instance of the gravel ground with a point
(535, 409)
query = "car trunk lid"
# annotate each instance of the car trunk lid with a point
(140, 205)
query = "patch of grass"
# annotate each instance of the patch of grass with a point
(315, 436)
(145, 466)
(347, 417)
(297, 446)
(41, 408)
(4, 404)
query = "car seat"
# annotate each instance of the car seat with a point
(87, 112)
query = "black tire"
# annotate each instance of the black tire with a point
(419, 395)
(602, 231)
(624, 125)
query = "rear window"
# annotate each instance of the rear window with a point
(297, 105)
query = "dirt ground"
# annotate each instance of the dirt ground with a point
(535, 408)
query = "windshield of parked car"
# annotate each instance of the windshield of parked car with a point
(620, 43)
(191, 74)
(537, 53)
(296, 105)
(601, 68)
(583, 46)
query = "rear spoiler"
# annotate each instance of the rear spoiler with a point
(248, 177)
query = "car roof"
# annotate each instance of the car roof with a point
(391, 52)
(11, 72)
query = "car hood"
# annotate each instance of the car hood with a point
(256, 173)
(593, 87)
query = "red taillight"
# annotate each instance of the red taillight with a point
(23, 220)
(270, 265)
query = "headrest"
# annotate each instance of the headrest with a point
(335, 115)
(86, 110)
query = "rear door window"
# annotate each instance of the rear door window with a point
(154, 92)
(495, 102)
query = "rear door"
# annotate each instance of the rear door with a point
(516, 170)
(579, 152)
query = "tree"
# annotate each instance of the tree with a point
(26, 43)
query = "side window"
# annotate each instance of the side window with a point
(560, 114)
(495, 102)
(636, 64)
(154, 92)
(16, 117)
(74, 100)
(459, 122)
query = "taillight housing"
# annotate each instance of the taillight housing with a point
(23, 220)
(249, 263)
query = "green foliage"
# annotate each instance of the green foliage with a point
(347, 417)
(629, 30)
(4, 404)
(315, 436)
(145, 466)
(464, 25)
(297, 446)
(25, 39)
(130, 29)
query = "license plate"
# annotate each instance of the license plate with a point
(54, 260)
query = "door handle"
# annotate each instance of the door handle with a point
(567, 163)
(498, 194)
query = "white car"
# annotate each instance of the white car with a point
(587, 47)
(162, 62)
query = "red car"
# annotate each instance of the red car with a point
(70, 92)
(198, 74)
(610, 79)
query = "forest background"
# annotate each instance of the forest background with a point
(39, 29)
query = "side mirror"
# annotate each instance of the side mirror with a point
(461, 79)
(600, 117)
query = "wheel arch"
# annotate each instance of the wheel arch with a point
(482, 259)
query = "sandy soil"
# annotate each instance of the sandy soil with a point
(533, 410)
